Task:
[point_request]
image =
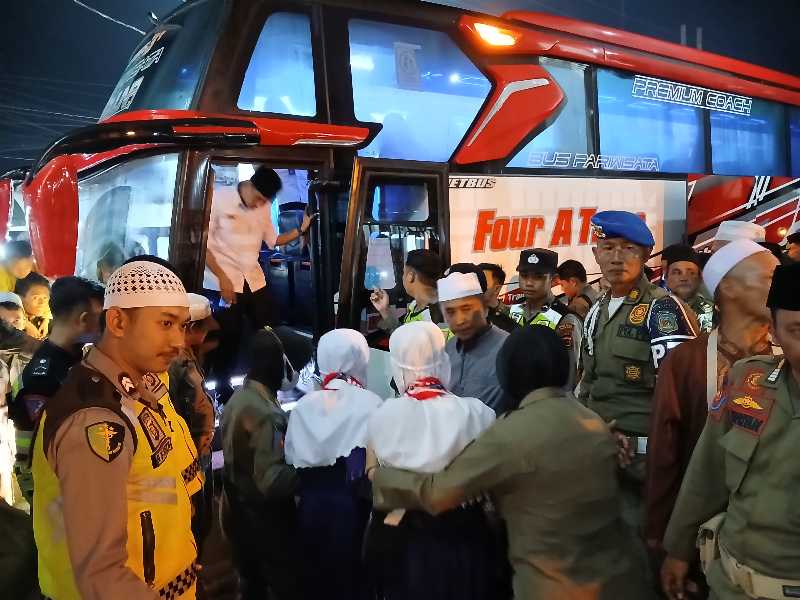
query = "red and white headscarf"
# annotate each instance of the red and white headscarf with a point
(329, 423)
(427, 426)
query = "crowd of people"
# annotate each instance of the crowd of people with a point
(632, 440)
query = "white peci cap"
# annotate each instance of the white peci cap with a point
(458, 285)
(199, 307)
(143, 283)
(729, 231)
(725, 259)
(10, 297)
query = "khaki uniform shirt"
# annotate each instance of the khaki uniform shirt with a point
(549, 466)
(746, 462)
(253, 432)
(620, 355)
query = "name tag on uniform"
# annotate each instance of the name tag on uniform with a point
(641, 445)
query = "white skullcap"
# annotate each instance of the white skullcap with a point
(143, 283)
(10, 297)
(729, 231)
(795, 227)
(725, 259)
(199, 307)
(458, 285)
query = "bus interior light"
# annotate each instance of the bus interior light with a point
(495, 36)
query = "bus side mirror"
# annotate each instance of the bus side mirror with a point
(52, 201)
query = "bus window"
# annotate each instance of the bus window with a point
(165, 70)
(280, 76)
(794, 134)
(754, 144)
(125, 211)
(567, 133)
(400, 202)
(418, 84)
(645, 129)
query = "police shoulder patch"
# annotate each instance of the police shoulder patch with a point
(106, 439)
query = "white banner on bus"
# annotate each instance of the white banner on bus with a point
(493, 218)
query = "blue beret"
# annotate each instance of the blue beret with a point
(622, 224)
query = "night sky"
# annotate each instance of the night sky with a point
(59, 61)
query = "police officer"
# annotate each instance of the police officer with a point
(422, 269)
(536, 270)
(627, 333)
(111, 512)
(744, 471)
(76, 304)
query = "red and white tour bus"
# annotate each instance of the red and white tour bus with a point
(409, 125)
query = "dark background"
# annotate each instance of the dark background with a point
(59, 61)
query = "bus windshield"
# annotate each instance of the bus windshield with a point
(166, 69)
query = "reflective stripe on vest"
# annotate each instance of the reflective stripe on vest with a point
(160, 545)
(549, 318)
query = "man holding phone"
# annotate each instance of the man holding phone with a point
(241, 220)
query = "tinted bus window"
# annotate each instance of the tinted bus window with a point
(647, 128)
(794, 134)
(125, 211)
(567, 133)
(166, 69)
(280, 76)
(749, 145)
(418, 84)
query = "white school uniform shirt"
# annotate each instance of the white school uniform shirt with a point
(235, 234)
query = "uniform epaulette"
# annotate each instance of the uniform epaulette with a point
(766, 358)
(83, 388)
(659, 292)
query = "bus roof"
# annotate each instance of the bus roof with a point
(655, 46)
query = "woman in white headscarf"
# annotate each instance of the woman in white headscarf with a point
(412, 554)
(326, 442)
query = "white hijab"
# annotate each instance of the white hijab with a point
(329, 423)
(423, 435)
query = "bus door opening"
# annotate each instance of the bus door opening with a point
(395, 206)
(287, 268)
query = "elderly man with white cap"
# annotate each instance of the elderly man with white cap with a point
(738, 275)
(476, 341)
(111, 511)
(730, 231)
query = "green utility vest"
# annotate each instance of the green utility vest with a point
(620, 355)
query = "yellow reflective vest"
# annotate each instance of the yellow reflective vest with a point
(161, 550)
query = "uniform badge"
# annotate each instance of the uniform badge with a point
(598, 230)
(717, 404)
(634, 295)
(753, 380)
(633, 373)
(748, 403)
(160, 442)
(105, 439)
(533, 259)
(126, 383)
(667, 322)
(41, 367)
(638, 314)
(154, 385)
